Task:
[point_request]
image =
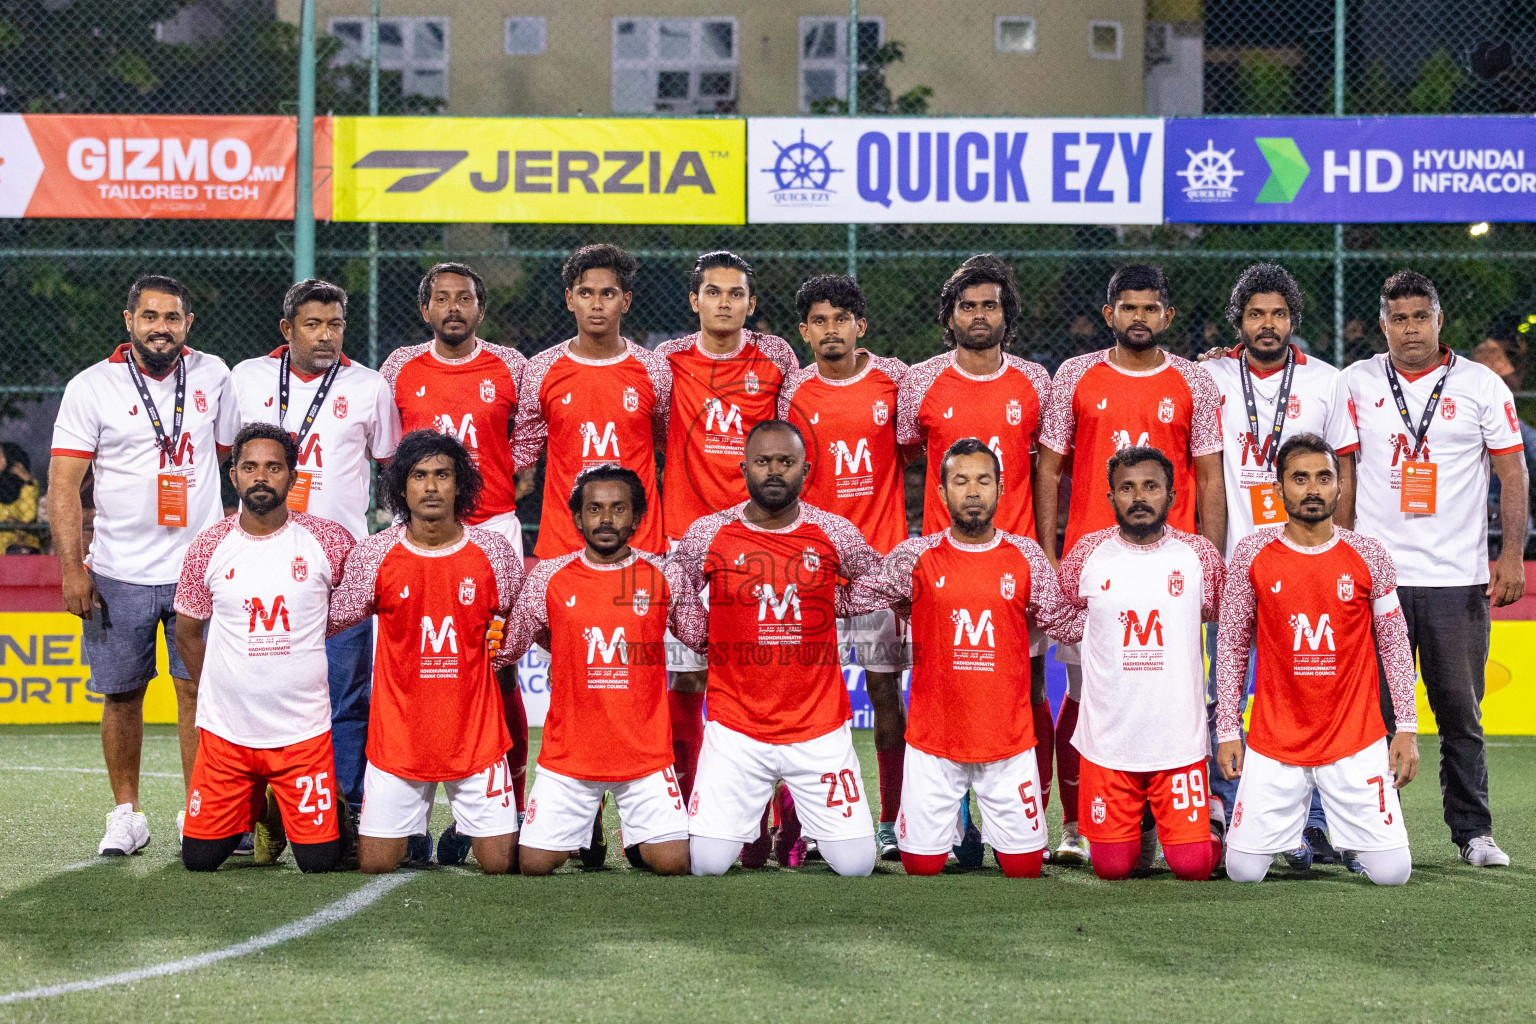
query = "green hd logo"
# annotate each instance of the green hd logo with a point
(1288, 170)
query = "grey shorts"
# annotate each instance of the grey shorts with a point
(118, 640)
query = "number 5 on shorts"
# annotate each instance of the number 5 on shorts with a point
(1031, 805)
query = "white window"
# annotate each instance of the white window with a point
(1014, 35)
(524, 37)
(824, 56)
(675, 65)
(416, 47)
(1104, 39)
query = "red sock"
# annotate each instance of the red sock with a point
(1068, 760)
(1045, 742)
(687, 713)
(891, 763)
(1191, 862)
(923, 863)
(1020, 865)
(517, 757)
(1115, 860)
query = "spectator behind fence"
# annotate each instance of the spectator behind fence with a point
(18, 500)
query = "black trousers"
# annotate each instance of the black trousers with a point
(1449, 630)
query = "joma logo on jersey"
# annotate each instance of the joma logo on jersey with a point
(606, 648)
(465, 431)
(595, 443)
(716, 415)
(882, 412)
(1122, 439)
(1014, 412)
(437, 635)
(1151, 630)
(846, 461)
(1315, 636)
(788, 602)
(311, 453)
(183, 453)
(974, 632)
(268, 617)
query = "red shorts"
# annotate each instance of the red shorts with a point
(1110, 804)
(229, 788)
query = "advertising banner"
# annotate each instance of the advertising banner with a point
(119, 165)
(1323, 170)
(540, 170)
(897, 170)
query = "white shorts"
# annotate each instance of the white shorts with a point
(1364, 814)
(877, 641)
(509, 526)
(735, 779)
(561, 809)
(1007, 791)
(482, 804)
(1066, 654)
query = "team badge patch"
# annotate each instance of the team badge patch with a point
(487, 390)
(195, 802)
(882, 413)
(1007, 585)
(693, 805)
(811, 559)
(1346, 587)
(300, 569)
(467, 590)
(749, 383)
(1509, 414)
(1014, 412)
(533, 808)
(339, 407)
(901, 825)
(640, 601)
(1237, 815)
(1100, 811)
(1448, 408)
(1293, 407)
(1165, 410)
(631, 399)
(1175, 583)
(201, 401)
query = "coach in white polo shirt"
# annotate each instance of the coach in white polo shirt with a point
(1431, 424)
(154, 418)
(340, 413)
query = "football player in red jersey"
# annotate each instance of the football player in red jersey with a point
(437, 586)
(1321, 602)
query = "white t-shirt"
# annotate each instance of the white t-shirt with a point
(1143, 700)
(1318, 405)
(100, 418)
(359, 419)
(264, 681)
(1476, 417)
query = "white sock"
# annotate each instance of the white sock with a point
(1387, 867)
(1247, 867)
(855, 857)
(712, 856)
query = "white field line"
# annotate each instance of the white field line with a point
(93, 862)
(82, 771)
(335, 912)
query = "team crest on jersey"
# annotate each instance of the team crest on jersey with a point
(631, 399)
(487, 390)
(300, 569)
(749, 383)
(467, 590)
(1165, 410)
(195, 802)
(201, 401)
(1293, 407)
(1346, 587)
(339, 407)
(882, 413)
(1448, 408)
(640, 601)
(1007, 585)
(1014, 412)
(811, 559)
(1175, 583)
(1100, 811)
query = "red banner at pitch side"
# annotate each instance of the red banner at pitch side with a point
(115, 165)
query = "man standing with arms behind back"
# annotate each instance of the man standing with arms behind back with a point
(1431, 424)
(153, 418)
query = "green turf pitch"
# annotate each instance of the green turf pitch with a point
(1456, 944)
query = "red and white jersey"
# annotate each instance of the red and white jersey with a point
(474, 398)
(358, 421)
(266, 600)
(940, 403)
(1318, 404)
(716, 401)
(971, 607)
(1096, 409)
(436, 713)
(1476, 418)
(1322, 615)
(774, 599)
(1143, 698)
(850, 436)
(102, 418)
(605, 629)
(591, 412)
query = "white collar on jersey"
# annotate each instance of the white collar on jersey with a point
(461, 360)
(741, 344)
(954, 364)
(1127, 545)
(1317, 550)
(845, 381)
(451, 549)
(741, 515)
(634, 556)
(266, 536)
(1159, 368)
(611, 360)
(997, 538)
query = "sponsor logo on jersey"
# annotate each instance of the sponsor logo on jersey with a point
(1148, 633)
(339, 407)
(781, 605)
(811, 559)
(487, 390)
(268, 617)
(195, 802)
(1175, 583)
(1122, 439)
(184, 452)
(720, 419)
(312, 452)
(975, 632)
(464, 431)
(1346, 587)
(882, 412)
(640, 601)
(631, 399)
(1165, 410)
(467, 590)
(1315, 635)
(846, 462)
(1100, 811)
(300, 569)
(201, 401)
(597, 443)
(1448, 407)
(1402, 450)
(1007, 585)
(1014, 412)
(1293, 407)
(605, 647)
(439, 636)
(749, 383)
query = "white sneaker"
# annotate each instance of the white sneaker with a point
(181, 826)
(128, 833)
(1073, 848)
(1483, 852)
